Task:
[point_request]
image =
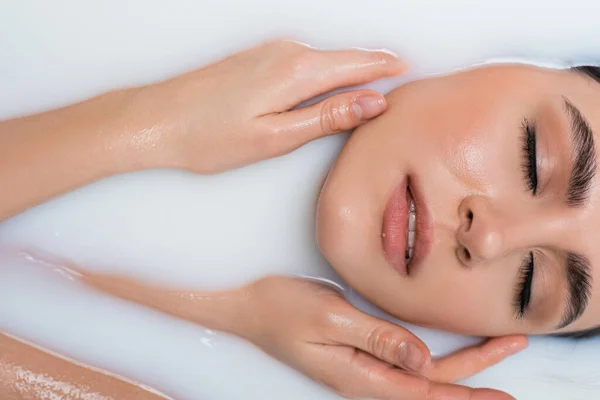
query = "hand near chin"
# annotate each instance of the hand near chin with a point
(240, 110)
(313, 329)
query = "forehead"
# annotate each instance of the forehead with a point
(584, 92)
(588, 235)
(500, 85)
(532, 78)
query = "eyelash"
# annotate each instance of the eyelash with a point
(523, 293)
(529, 165)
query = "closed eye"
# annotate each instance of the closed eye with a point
(523, 292)
(529, 164)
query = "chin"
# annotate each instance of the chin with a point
(330, 239)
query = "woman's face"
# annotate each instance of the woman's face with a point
(500, 163)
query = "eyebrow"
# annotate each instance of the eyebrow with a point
(579, 288)
(584, 157)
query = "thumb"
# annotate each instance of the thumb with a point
(472, 360)
(335, 114)
(386, 341)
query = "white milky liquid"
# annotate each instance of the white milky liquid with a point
(217, 231)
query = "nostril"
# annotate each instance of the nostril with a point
(469, 220)
(464, 255)
(467, 254)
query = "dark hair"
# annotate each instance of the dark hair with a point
(588, 333)
(594, 73)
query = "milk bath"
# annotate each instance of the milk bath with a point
(215, 231)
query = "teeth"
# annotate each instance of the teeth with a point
(412, 221)
(410, 237)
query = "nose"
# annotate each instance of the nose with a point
(482, 230)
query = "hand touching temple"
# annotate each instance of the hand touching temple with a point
(223, 116)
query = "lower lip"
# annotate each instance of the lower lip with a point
(395, 222)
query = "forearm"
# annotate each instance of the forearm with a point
(48, 154)
(223, 310)
(27, 373)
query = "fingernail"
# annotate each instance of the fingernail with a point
(412, 357)
(394, 61)
(367, 107)
(388, 51)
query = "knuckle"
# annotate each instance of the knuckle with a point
(268, 142)
(381, 342)
(289, 57)
(332, 318)
(305, 56)
(301, 62)
(293, 45)
(267, 281)
(263, 287)
(331, 306)
(277, 44)
(429, 391)
(285, 43)
(335, 117)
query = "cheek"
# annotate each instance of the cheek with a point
(348, 232)
(474, 302)
(470, 137)
(468, 147)
(467, 162)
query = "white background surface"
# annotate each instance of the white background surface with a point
(171, 226)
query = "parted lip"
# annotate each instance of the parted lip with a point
(395, 224)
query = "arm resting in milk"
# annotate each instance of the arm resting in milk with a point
(47, 154)
(313, 329)
(229, 114)
(28, 373)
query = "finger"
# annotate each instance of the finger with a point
(381, 339)
(472, 360)
(335, 114)
(356, 374)
(319, 72)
